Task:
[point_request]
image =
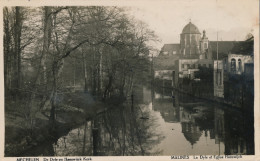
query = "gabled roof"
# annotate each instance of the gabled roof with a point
(244, 47)
(224, 47)
(170, 48)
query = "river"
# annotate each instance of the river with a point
(160, 122)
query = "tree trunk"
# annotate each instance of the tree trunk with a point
(46, 41)
(85, 73)
(7, 53)
(94, 74)
(110, 80)
(54, 95)
(17, 47)
(100, 70)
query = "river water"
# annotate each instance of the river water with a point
(161, 122)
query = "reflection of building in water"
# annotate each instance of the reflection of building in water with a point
(235, 146)
(238, 138)
(191, 132)
(186, 116)
(167, 103)
(163, 93)
(219, 125)
(230, 129)
(196, 120)
(212, 133)
(169, 112)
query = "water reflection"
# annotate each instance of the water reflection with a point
(76, 143)
(206, 128)
(124, 130)
(162, 122)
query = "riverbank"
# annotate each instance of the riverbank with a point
(23, 133)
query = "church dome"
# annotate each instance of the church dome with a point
(190, 29)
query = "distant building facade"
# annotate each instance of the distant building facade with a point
(235, 63)
(193, 45)
(195, 50)
(193, 53)
(186, 68)
(218, 78)
(190, 40)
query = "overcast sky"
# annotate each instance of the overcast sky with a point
(232, 19)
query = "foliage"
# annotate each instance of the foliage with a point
(52, 50)
(204, 74)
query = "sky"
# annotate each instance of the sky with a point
(233, 20)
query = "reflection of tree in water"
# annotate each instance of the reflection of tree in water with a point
(123, 131)
(77, 142)
(119, 131)
(46, 149)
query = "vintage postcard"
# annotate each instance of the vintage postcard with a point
(146, 80)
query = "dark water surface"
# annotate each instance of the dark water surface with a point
(162, 122)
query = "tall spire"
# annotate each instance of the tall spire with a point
(204, 34)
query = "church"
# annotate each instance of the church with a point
(193, 51)
(194, 45)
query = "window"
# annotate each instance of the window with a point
(193, 66)
(220, 78)
(241, 147)
(182, 66)
(235, 147)
(188, 66)
(216, 78)
(210, 65)
(205, 46)
(225, 64)
(165, 53)
(239, 65)
(199, 65)
(204, 65)
(233, 65)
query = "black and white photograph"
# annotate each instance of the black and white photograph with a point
(160, 78)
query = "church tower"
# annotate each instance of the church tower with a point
(204, 46)
(204, 43)
(190, 41)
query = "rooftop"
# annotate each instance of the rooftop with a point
(190, 29)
